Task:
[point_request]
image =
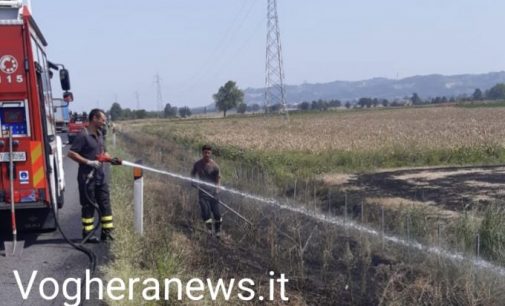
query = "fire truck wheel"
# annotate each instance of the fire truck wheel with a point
(49, 224)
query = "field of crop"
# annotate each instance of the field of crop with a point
(308, 145)
(356, 131)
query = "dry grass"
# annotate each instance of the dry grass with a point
(409, 129)
(175, 243)
(397, 203)
(337, 179)
(431, 175)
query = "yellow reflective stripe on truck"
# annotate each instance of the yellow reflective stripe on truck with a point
(37, 164)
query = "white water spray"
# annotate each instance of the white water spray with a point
(454, 256)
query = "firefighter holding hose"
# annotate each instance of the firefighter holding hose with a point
(88, 150)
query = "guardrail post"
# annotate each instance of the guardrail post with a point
(138, 197)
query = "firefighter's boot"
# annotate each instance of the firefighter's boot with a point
(107, 235)
(91, 239)
(208, 224)
(87, 228)
(107, 227)
(217, 227)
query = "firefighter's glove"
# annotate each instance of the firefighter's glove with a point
(94, 163)
(116, 161)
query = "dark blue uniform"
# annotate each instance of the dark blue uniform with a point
(89, 145)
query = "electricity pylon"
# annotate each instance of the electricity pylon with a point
(275, 93)
(159, 98)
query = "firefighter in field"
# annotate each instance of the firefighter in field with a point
(208, 171)
(93, 187)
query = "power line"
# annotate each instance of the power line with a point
(216, 57)
(220, 64)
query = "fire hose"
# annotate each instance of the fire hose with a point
(116, 161)
(224, 205)
(91, 255)
(93, 203)
(79, 246)
(103, 158)
(195, 181)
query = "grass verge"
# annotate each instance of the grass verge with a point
(160, 253)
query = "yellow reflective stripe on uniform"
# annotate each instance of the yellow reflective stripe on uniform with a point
(87, 220)
(106, 218)
(107, 225)
(88, 228)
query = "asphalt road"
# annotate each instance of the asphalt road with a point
(49, 254)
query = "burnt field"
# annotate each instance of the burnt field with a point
(452, 188)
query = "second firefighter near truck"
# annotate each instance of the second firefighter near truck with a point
(93, 186)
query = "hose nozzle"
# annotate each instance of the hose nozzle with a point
(105, 158)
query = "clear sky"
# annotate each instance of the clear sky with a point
(114, 48)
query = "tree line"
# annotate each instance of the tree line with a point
(496, 92)
(116, 112)
(229, 97)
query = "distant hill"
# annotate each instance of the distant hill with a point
(426, 86)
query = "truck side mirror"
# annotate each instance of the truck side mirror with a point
(64, 79)
(68, 96)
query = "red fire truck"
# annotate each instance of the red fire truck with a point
(26, 109)
(76, 124)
